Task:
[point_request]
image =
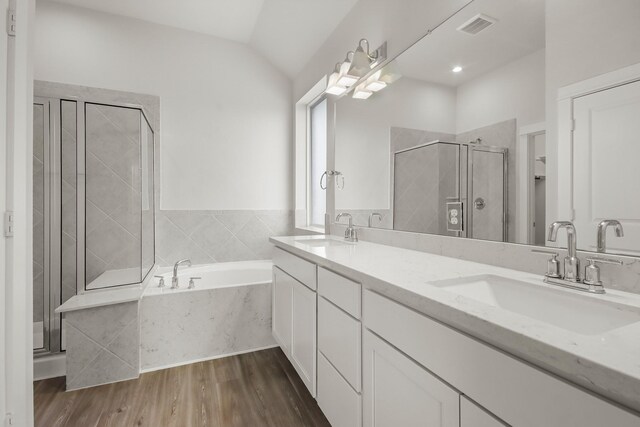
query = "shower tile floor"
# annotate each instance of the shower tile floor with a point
(253, 389)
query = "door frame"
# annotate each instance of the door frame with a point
(566, 97)
(16, 386)
(525, 171)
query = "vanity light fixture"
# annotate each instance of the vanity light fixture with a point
(333, 86)
(354, 67)
(456, 69)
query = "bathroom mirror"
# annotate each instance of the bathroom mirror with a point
(457, 141)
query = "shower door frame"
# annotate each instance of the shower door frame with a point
(465, 174)
(52, 322)
(505, 184)
(52, 225)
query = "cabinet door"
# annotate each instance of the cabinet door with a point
(399, 392)
(282, 309)
(303, 342)
(471, 415)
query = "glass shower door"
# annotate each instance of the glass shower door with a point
(113, 196)
(40, 212)
(426, 177)
(487, 194)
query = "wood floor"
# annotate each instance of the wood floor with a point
(253, 389)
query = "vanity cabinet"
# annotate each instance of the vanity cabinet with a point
(371, 361)
(339, 349)
(294, 306)
(471, 415)
(510, 389)
(399, 392)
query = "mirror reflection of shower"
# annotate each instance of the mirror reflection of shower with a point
(451, 188)
(93, 204)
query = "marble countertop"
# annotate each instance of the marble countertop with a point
(607, 363)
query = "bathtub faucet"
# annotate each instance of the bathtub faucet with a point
(174, 279)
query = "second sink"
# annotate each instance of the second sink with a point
(568, 310)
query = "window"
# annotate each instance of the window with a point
(317, 161)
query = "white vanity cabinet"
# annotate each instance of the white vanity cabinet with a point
(511, 390)
(471, 415)
(339, 349)
(399, 392)
(294, 306)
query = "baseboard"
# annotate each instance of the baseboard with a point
(220, 356)
(51, 366)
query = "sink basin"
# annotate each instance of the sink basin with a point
(569, 310)
(323, 242)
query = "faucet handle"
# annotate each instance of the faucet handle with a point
(593, 259)
(161, 281)
(553, 265)
(192, 283)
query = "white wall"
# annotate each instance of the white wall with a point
(226, 112)
(362, 136)
(513, 91)
(585, 38)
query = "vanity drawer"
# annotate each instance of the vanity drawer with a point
(301, 269)
(516, 392)
(339, 402)
(339, 290)
(339, 340)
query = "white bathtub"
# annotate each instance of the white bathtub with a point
(219, 275)
(229, 312)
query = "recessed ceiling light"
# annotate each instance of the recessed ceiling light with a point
(456, 69)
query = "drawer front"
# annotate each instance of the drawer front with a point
(339, 340)
(339, 290)
(515, 392)
(471, 415)
(338, 401)
(303, 270)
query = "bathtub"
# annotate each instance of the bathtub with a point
(228, 312)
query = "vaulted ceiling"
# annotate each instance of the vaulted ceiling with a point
(286, 32)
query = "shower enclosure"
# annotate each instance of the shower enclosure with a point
(450, 188)
(93, 205)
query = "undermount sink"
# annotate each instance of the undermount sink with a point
(565, 309)
(323, 242)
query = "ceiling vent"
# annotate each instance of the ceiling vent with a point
(476, 24)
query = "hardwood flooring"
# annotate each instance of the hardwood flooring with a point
(253, 389)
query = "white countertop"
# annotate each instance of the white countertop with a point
(608, 364)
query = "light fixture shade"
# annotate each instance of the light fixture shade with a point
(360, 64)
(333, 87)
(361, 93)
(375, 85)
(347, 80)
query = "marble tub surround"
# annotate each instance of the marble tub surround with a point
(194, 325)
(219, 236)
(102, 345)
(606, 363)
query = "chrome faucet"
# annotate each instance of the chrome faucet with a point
(350, 234)
(374, 215)
(571, 261)
(602, 232)
(174, 278)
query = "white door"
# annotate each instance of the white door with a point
(399, 392)
(606, 176)
(472, 415)
(303, 335)
(282, 309)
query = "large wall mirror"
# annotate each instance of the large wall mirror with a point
(459, 142)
